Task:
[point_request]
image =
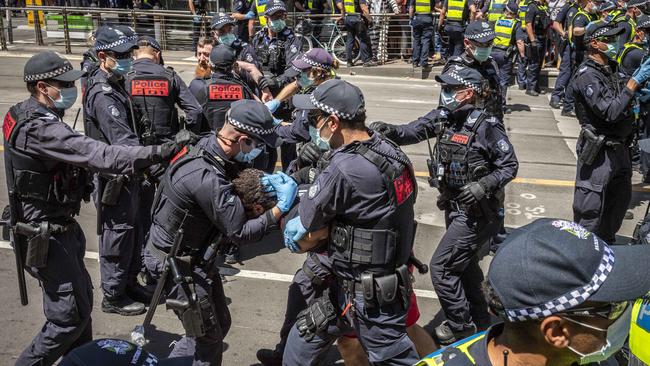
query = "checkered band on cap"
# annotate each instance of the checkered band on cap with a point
(488, 33)
(50, 74)
(599, 33)
(120, 41)
(274, 8)
(571, 299)
(226, 19)
(645, 24)
(330, 110)
(244, 127)
(477, 87)
(314, 63)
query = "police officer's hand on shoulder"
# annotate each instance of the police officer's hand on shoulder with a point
(185, 137)
(171, 148)
(384, 128)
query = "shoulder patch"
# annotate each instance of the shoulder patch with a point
(503, 145)
(107, 88)
(589, 91)
(114, 111)
(313, 190)
(293, 48)
(249, 57)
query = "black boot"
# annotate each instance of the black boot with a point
(269, 357)
(122, 305)
(445, 335)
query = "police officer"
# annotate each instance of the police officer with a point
(507, 47)
(522, 62)
(474, 160)
(357, 20)
(640, 333)
(243, 13)
(452, 20)
(420, 13)
(630, 57)
(496, 8)
(155, 90)
(624, 17)
(537, 24)
(587, 13)
(108, 117)
(198, 8)
(603, 106)
(197, 198)
(566, 303)
(479, 38)
(41, 151)
(378, 197)
(223, 27)
(561, 25)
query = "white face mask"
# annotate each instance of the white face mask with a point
(616, 335)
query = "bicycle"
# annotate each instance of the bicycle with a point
(335, 43)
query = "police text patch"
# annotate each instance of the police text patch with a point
(226, 92)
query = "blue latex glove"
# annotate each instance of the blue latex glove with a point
(643, 95)
(285, 188)
(249, 15)
(276, 122)
(272, 105)
(293, 232)
(642, 74)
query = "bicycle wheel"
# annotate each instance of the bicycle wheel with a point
(337, 48)
(305, 42)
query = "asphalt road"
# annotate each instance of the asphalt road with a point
(544, 143)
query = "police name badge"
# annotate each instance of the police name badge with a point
(116, 346)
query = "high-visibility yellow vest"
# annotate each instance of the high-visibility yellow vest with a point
(435, 359)
(455, 10)
(504, 28)
(260, 5)
(422, 7)
(349, 7)
(523, 8)
(590, 17)
(618, 16)
(496, 10)
(626, 49)
(640, 330)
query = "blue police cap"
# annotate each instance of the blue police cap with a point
(601, 28)
(643, 22)
(335, 96)
(113, 39)
(274, 6)
(461, 75)
(480, 31)
(253, 118)
(149, 41)
(513, 7)
(50, 65)
(221, 19)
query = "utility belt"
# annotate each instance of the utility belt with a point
(38, 239)
(382, 290)
(112, 185)
(593, 143)
(362, 246)
(458, 23)
(313, 277)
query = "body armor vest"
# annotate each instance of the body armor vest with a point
(222, 91)
(456, 10)
(41, 180)
(386, 244)
(260, 6)
(504, 28)
(91, 125)
(496, 10)
(454, 154)
(542, 20)
(523, 8)
(153, 99)
(628, 47)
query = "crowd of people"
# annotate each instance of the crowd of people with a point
(174, 192)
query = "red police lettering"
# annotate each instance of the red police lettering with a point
(150, 88)
(459, 139)
(8, 126)
(403, 186)
(226, 92)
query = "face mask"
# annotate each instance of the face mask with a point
(67, 97)
(315, 138)
(122, 66)
(249, 156)
(616, 335)
(227, 39)
(278, 25)
(304, 81)
(611, 51)
(481, 54)
(448, 100)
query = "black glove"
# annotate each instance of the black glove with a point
(316, 317)
(168, 150)
(309, 155)
(386, 129)
(471, 193)
(185, 137)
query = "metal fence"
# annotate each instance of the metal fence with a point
(175, 30)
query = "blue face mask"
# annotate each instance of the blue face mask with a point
(304, 81)
(227, 39)
(248, 157)
(67, 97)
(319, 141)
(481, 54)
(448, 100)
(278, 25)
(122, 66)
(611, 51)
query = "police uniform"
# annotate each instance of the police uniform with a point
(624, 21)
(243, 7)
(196, 196)
(481, 31)
(559, 94)
(536, 15)
(630, 57)
(456, 18)
(108, 117)
(522, 62)
(40, 152)
(640, 333)
(422, 24)
(244, 51)
(496, 8)
(603, 178)
(201, 9)
(504, 49)
(377, 198)
(357, 27)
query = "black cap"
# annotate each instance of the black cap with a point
(335, 96)
(274, 6)
(128, 31)
(316, 57)
(607, 5)
(552, 265)
(512, 6)
(643, 22)
(111, 352)
(601, 28)
(149, 41)
(50, 65)
(223, 56)
(636, 3)
(221, 19)
(254, 119)
(480, 31)
(461, 75)
(113, 39)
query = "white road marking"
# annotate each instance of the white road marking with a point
(245, 273)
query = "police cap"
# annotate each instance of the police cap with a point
(50, 65)
(606, 5)
(460, 75)
(636, 4)
(221, 19)
(253, 119)
(112, 352)
(480, 31)
(316, 57)
(274, 6)
(601, 28)
(128, 31)
(222, 56)
(335, 96)
(513, 7)
(643, 22)
(551, 266)
(113, 39)
(149, 41)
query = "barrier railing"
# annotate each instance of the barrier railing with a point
(177, 30)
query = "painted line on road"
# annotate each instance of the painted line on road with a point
(245, 273)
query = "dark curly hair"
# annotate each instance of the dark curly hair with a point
(249, 189)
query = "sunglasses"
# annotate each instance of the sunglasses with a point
(611, 311)
(120, 56)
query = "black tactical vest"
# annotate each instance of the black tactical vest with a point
(41, 180)
(220, 93)
(153, 98)
(91, 125)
